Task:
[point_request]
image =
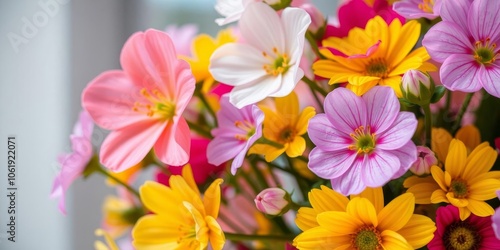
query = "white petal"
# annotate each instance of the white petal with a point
(255, 91)
(295, 22)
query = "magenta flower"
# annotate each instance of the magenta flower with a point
(414, 9)
(496, 219)
(73, 164)
(466, 43)
(143, 103)
(238, 130)
(452, 233)
(361, 141)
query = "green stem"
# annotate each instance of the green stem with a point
(314, 45)
(264, 140)
(125, 185)
(199, 129)
(461, 112)
(312, 84)
(260, 177)
(247, 237)
(428, 124)
(207, 105)
(316, 98)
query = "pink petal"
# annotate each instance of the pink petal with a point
(490, 79)
(382, 106)
(483, 19)
(446, 216)
(378, 168)
(456, 11)
(410, 10)
(399, 132)
(172, 147)
(295, 22)
(461, 72)
(222, 149)
(84, 126)
(325, 136)
(407, 155)
(330, 165)
(445, 39)
(126, 147)
(350, 182)
(182, 89)
(109, 99)
(345, 110)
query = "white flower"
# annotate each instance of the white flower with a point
(268, 63)
(230, 9)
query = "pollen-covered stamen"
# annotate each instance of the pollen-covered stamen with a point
(247, 128)
(364, 140)
(367, 238)
(461, 235)
(427, 6)
(377, 67)
(157, 105)
(279, 63)
(459, 188)
(287, 134)
(185, 233)
(484, 51)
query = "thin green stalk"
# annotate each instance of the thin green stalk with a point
(123, 184)
(264, 140)
(260, 177)
(247, 237)
(461, 112)
(207, 105)
(312, 84)
(428, 124)
(199, 129)
(316, 98)
(304, 188)
(314, 45)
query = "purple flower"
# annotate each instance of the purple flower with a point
(72, 164)
(361, 141)
(414, 9)
(238, 130)
(466, 43)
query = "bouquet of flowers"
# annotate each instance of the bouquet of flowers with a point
(288, 130)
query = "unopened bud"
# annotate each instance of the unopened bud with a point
(417, 87)
(425, 160)
(273, 201)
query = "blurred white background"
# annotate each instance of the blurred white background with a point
(49, 51)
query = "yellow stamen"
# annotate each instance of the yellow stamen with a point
(157, 105)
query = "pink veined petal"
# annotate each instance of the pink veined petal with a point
(345, 110)
(399, 133)
(410, 10)
(328, 164)
(456, 11)
(221, 149)
(461, 72)
(382, 106)
(255, 91)
(240, 157)
(446, 216)
(445, 39)
(407, 155)
(490, 79)
(350, 182)
(237, 64)
(295, 23)
(325, 136)
(483, 19)
(183, 88)
(126, 147)
(172, 147)
(261, 27)
(109, 100)
(378, 168)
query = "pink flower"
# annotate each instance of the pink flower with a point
(361, 141)
(414, 9)
(273, 201)
(183, 36)
(452, 233)
(143, 103)
(425, 160)
(496, 219)
(73, 164)
(466, 43)
(238, 130)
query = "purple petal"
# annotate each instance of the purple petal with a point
(410, 10)
(325, 136)
(460, 72)
(345, 110)
(490, 79)
(329, 165)
(399, 133)
(483, 19)
(456, 11)
(407, 155)
(445, 39)
(382, 106)
(222, 149)
(378, 168)
(350, 182)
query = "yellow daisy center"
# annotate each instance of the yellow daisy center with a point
(158, 105)
(247, 127)
(367, 238)
(484, 52)
(461, 235)
(426, 5)
(364, 140)
(377, 67)
(459, 188)
(287, 134)
(279, 63)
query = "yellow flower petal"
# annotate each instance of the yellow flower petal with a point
(480, 208)
(288, 106)
(440, 143)
(217, 238)
(480, 161)
(407, 37)
(361, 80)
(211, 198)
(439, 196)
(414, 180)
(394, 82)
(362, 209)
(153, 196)
(187, 174)
(438, 176)
(457, 202)
(484, 189)
(339, 223)
(303, 120)
(181, 188)
(306, 218)
(456, 159)
(469, 135)
(423, 192)
(360, 90)
(150, 231)
(393, 240)
(111, 245)
(325, 199)
(374, 195)
(464, 213)
(319, 238)
(397, 213)
(296, 147)
(418, 231)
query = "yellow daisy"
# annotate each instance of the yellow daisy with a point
(284, 126)
(466, 181)
(379, 54)
(181, 219)
(363, 223)
(441, 139)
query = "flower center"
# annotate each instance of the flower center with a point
(364, 140)
(377, 67)
(246, 128)
(157, 106)
(484, 52)
(461, 235)
(279, 63)
(287, 134)
(459, 188)
(427, 6)
(367, 238)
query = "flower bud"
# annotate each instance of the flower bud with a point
(417, 87)
(278, 4)
(318, 21)
(425, 160)
(273, 201)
